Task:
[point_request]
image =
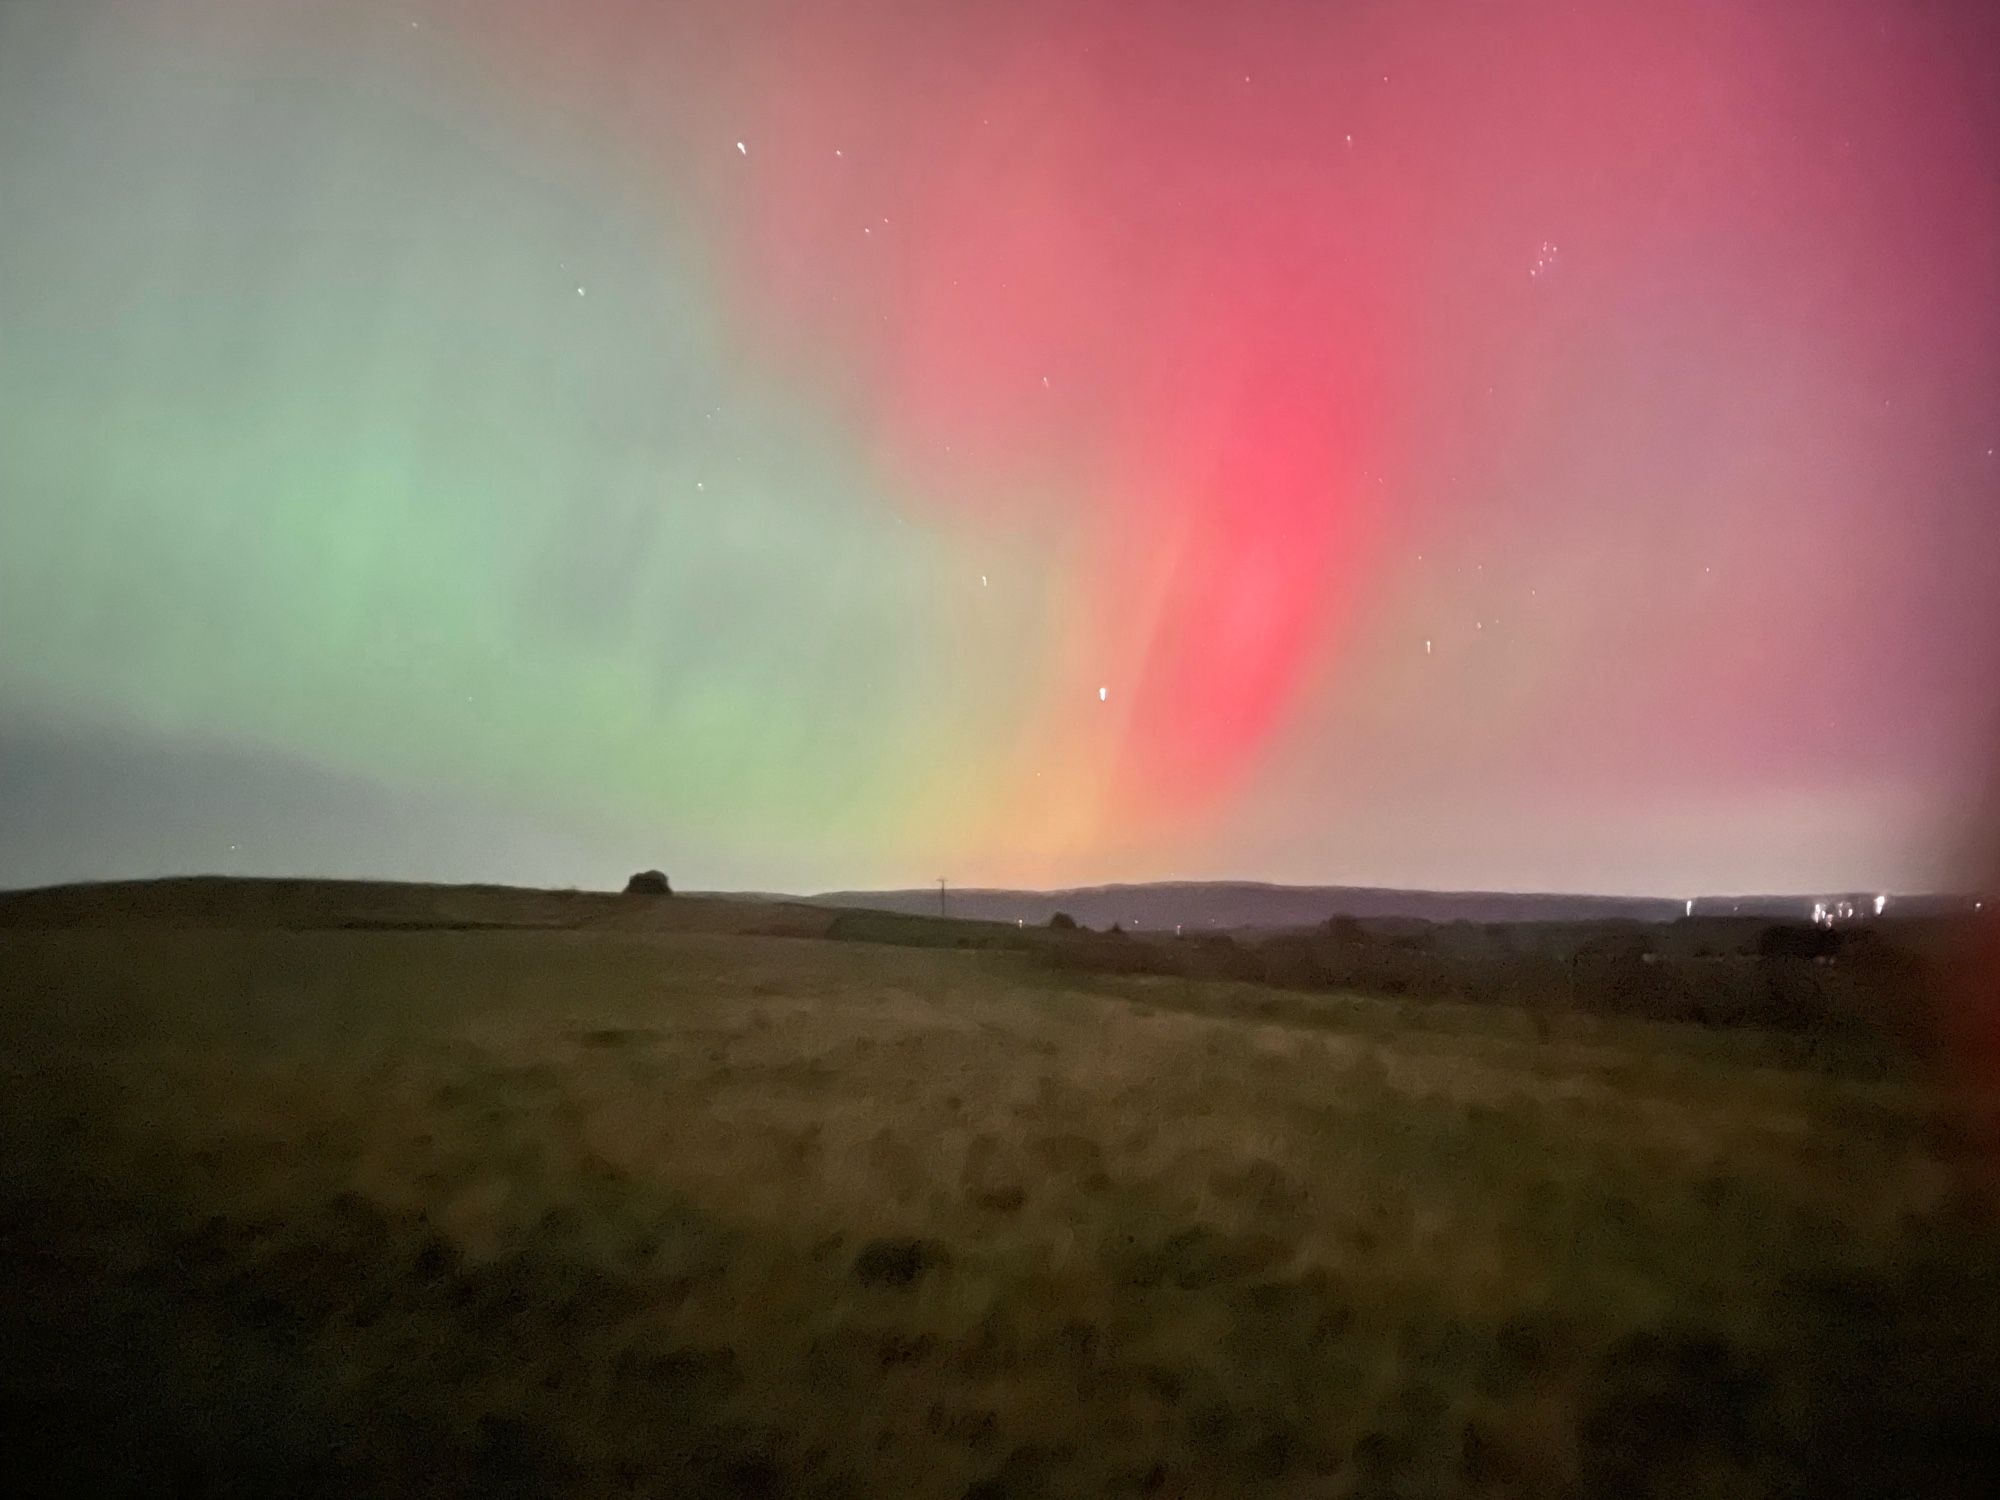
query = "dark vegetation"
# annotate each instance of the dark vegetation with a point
(1855, 996)
(648, 883)
(1852, 988)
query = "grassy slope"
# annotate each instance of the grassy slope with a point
(709, 1213)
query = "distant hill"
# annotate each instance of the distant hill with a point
(1248, 904)
(228, 901)
(1251, 904)
(306, 905)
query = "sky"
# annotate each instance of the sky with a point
(1500, 444)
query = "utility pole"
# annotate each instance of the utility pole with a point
(941, 911)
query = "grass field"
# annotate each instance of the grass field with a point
(673, 1204)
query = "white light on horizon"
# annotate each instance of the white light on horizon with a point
(1880, 902)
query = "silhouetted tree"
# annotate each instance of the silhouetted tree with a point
(648, 883)
(1062, 921)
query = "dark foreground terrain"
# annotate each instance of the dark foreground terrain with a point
(345, 1190)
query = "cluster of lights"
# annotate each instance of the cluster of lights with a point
(1826, 913)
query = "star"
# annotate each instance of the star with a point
(1427, 648)
(579, 291)
(1103, 693)
(982, 580)
(741, 149)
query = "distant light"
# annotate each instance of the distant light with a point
(1880, 902)
(1690, 906)
(982, 580)
(579, 291)
(741, 149)
(1427, 648)
(1103, 694)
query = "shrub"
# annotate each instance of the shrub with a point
(1062, 921)
(648, 883)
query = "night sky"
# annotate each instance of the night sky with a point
(1498, 444)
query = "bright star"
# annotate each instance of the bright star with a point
(1103, 693)
(741, 149)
